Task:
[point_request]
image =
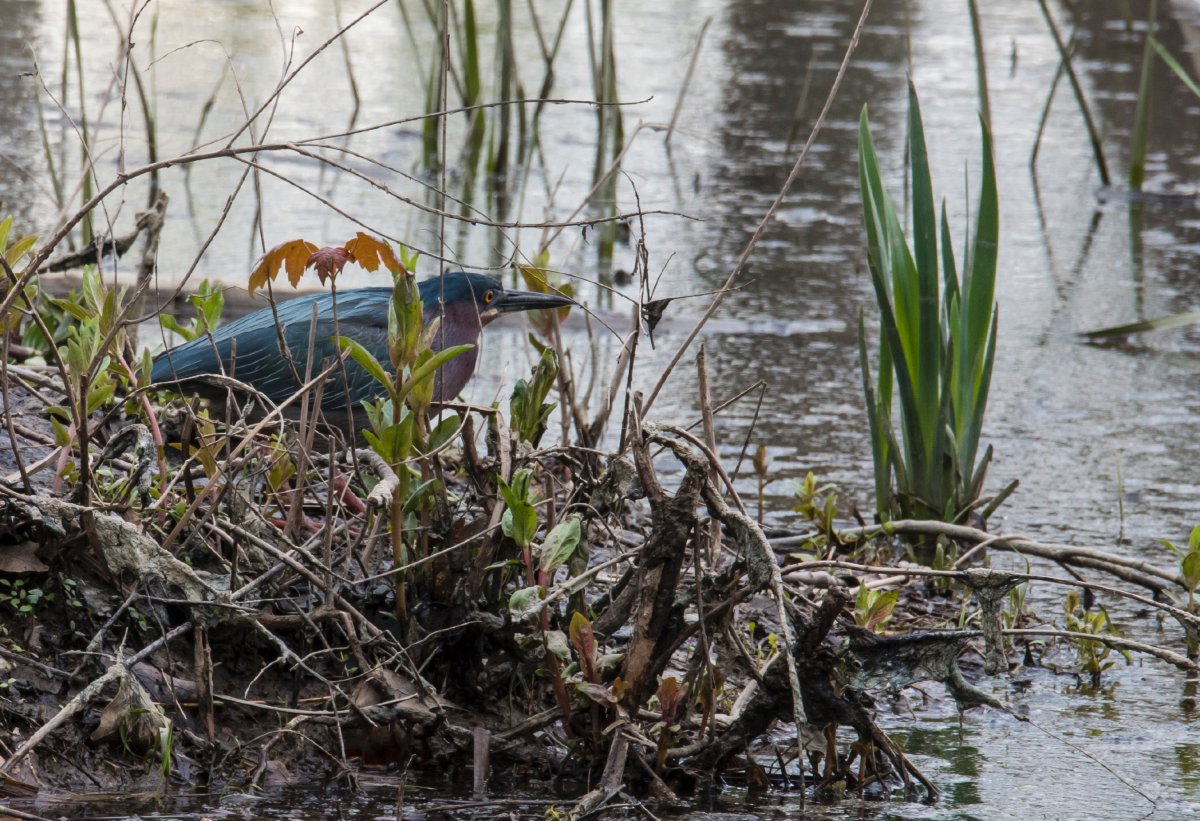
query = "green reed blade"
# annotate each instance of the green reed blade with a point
(1141, 116)
(888, 253)
(985, 106)
(927, 332)
(1174, 65)
(875, 411)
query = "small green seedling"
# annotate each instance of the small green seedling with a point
(209, 301)
(1189, 570)
(873, 609)
(818, 504)
(1094, 656)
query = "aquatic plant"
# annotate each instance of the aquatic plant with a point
(873, 609)
(1189, 572)
(1093, 655)
(1184, 318)
(1065, 67)
(818, 504)
(1140, 142)
(209, 301)
(937, 338)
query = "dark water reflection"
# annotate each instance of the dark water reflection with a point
(1066, 417)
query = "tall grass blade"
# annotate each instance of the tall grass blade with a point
(985, 106)
(1161, 323)
(1077, 89)
(979, 297)
(926, 330)
(1041, 129)
(875, 410)
(888, 253)
(1141, 115)
(507, 60)
(550, 55)
(687, 80)
(85, 153)
(1174, 65)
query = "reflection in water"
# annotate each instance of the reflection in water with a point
(1187, 701)
(1187, 762)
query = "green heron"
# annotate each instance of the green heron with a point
(248, 348)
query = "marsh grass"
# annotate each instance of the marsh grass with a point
(1081, 100)
(938, 326)
(1185, 318)
(1140, 139)
(981, 81)
(610, 127)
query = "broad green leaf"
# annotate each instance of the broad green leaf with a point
(427, 368)
(379, 412)
(209, 300)
(394, 442)
(1191, 569)
(560, 544)
(73, 308)
(519, 523)
(597, 693)
(525, 603)
(556, 643)
(100, 395)
(405, 318)
(19, 248)
(418, 495)
(172, 324)
(367, 360)
(880, 610)
(446, 430)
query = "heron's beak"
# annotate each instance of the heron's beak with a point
(508, 302)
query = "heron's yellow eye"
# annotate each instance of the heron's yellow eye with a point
(488, 297)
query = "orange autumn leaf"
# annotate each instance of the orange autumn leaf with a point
(369, 252)
(292, 256)
(329, 261)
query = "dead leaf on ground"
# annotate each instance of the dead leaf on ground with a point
(21, 558)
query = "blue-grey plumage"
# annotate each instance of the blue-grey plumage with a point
(248, 350)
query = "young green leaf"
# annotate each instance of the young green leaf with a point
(560, 544)
(367, 360)
(526, 603)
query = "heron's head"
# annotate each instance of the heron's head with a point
(487, 294)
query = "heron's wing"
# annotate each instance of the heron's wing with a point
(349, 385)
(248, 349)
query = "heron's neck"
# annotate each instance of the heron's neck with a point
(460, 324)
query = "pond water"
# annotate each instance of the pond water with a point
(1105, 439)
